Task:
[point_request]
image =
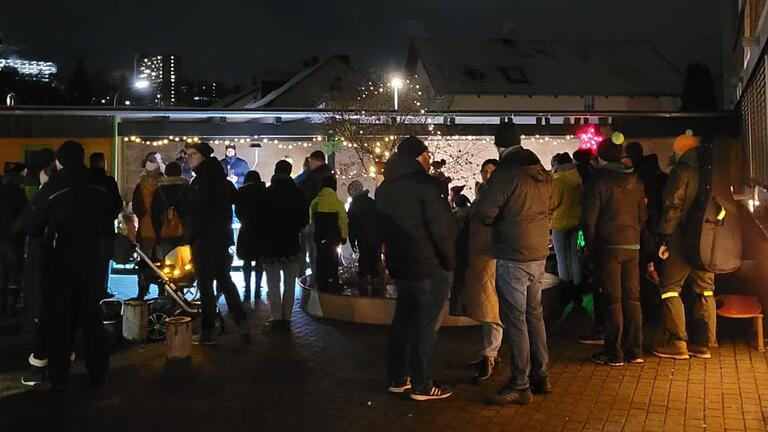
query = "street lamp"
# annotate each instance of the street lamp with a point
(141, 84)
(396, 83)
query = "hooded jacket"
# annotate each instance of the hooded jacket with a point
(415, 223)
(566, 197)
(285, 215)
(114, 200)
(614, 208)
(362, 222)
(207, 209)
(330, 219)
(517, 204)
(680, 192)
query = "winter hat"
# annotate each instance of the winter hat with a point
(173, 169)
(685, 142)
(561, 159)
(494, 162)
(507, 135)
(230, 146)
(609, 152)
(203, 148)
(411, 147)
(328, 182)
(582, 156)
(70, 153)
(318, 156)
(356, 188)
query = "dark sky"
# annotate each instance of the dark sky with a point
(233, 40)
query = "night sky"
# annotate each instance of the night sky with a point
(232, 40)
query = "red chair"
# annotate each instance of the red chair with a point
(740, 307)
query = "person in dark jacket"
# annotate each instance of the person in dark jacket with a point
(516, 204)
(167, 200)
(286, 215)
(582, 158)
(419, 236)
(207, 214)
(678, 196)
(363, 235)
(97, 166)
(327, 214)
(234, 166)
(612, 217)
(68, 213)
(310, 182)
(13, 202)
(249, 208)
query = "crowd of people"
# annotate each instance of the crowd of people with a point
(613, 218)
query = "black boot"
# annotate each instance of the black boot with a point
(247, 288)
(485, 369)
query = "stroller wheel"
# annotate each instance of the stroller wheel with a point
(156, 326)
(219, 324)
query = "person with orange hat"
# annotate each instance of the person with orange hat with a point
(678, 196)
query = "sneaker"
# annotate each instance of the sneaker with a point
(508, 396)
(431, 391)
(677, 350)
(399, 386)
(34, 376)
(594, 338)
(541, 386)
(633, 357)
(204, 339)
(602, 358)
(699, 351)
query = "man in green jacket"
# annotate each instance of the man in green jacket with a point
(331, 230)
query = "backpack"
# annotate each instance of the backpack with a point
(171, 220)
(147, 188)
(712, 230)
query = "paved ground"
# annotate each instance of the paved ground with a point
(329, 376)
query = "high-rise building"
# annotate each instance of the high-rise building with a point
(31, 69)
(162, 73)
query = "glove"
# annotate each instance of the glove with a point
(663, 242)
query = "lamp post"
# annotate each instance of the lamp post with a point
(396, 83)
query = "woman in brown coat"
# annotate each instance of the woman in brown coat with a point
(474, 291)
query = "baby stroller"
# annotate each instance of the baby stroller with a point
(178, 295)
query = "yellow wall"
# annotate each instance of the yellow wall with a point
(12, 149)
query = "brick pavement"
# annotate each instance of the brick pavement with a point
(329, 376)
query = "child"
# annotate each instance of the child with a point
(330, 219)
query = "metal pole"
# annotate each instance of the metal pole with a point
(396, 98)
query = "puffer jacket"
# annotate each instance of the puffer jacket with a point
(207, 209)
(614, 208)
(680, 192)
(250, 209)
(330, 219)
(284, 216)
(415, 223)
(516, 204)
(566, 197)
(362, 222)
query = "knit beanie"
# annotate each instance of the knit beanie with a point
(685, 142)
(507, 135)
(609, 152)
(70, 153)
(328, 182)
(411, 147)
(203, 148)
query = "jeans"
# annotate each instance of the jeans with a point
(517, 284)
(492, 335)
(327, 266)
(281, 307)
(369, 261)
(619, 282)
(307, 240)
(566, 249)
(414, 327)
(214, 266)
(257, 268)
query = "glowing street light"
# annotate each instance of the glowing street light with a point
(141, 84)
(396, 83)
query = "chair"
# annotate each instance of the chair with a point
(741, 307)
